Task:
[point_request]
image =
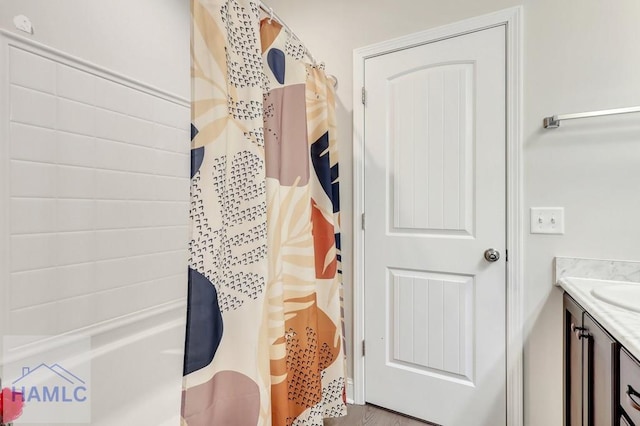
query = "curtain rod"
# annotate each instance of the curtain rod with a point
(272, 15)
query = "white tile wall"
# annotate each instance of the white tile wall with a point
(30, 70)
(35, 180)
(76, 85)
(76, 117)
(31, 107)
(32, 143)
(99, 191)
(33, 215)
(75, 150)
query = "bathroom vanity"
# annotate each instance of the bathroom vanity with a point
(601, 325)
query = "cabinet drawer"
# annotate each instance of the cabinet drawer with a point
(630, 386)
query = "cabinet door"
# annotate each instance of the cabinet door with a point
(629, 387)
(572, 363)
(600, 385)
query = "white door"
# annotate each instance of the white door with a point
(435, 200)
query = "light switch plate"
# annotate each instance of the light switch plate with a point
(547, 220)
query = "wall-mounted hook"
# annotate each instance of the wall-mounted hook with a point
(23, 23)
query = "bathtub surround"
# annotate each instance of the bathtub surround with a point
(95, 226)
(264, 336)
(141, 49)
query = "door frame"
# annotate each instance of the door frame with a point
(511, 18)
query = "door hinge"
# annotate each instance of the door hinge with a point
(364, 96)
(506, 255)
(363, 348)
(362, 221)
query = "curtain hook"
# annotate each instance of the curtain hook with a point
(270, 14)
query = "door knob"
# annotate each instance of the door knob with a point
(491, 255)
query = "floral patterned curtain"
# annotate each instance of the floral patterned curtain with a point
(264, 328)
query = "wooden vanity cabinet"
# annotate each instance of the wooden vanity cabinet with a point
(629, 388)
(572, 363)
(601, 374)
(590, 370)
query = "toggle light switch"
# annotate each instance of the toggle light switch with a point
(547, 220)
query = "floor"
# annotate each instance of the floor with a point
(370, 415)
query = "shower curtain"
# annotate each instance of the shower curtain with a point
(264, 342)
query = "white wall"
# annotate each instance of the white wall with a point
(579, 56)
(147, 40)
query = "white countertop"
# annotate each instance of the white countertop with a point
(621, 323)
